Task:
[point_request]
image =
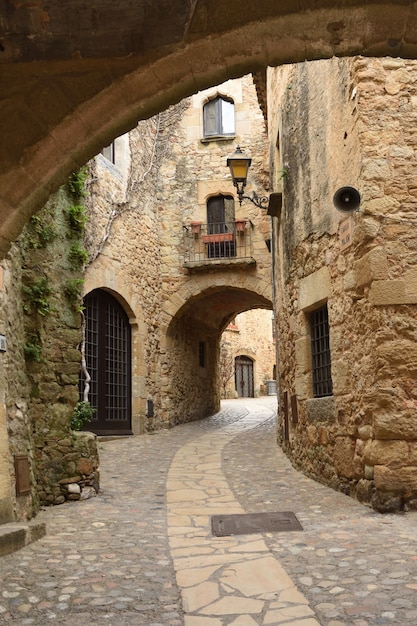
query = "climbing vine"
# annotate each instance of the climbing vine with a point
(155, 139)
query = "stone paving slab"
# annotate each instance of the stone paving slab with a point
(124, 557)
(244, 580)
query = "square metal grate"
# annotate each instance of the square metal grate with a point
(249, 523)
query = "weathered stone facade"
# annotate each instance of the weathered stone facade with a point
(349, 123)
(39, 315)
(249, 335)
(139, 209)
(73, 80)
(175, 306)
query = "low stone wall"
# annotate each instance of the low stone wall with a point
(68, 468)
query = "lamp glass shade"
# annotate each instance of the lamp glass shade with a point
(239, 165)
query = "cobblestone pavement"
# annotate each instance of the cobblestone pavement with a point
(110, 560)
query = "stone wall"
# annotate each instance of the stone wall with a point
(138, 206)
(250, 334)
(349, 122)
(39, 311)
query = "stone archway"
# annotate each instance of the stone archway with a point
(101, 277)
(190, 383)
(73, 79)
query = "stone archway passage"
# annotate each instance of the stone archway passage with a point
(223, 576)
(75, 77)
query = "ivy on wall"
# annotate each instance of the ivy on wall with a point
(57, 231)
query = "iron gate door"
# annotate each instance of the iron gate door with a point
(108, 359)
(244, 377)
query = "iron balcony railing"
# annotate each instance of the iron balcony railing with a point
(204, 243)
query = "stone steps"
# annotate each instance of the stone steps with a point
(17, 535)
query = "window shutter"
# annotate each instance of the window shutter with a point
(229, 210)
(210, 119)
(215, 211)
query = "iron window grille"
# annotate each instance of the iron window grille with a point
(320, 353)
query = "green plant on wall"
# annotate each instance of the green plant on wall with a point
(32, 352)
(77, 218)
(83, 413)
(76, 182)
(32, 348)
(40, 233)
(78, 256)
(73, 290)
(38, 294)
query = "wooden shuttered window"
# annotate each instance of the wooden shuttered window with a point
(218, 118)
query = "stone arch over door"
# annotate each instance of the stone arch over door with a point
(70, 87)
(100, 276)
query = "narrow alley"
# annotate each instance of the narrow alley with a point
(143, 553)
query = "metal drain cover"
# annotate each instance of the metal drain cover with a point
(249, 523)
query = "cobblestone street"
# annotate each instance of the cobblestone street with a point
(142, 552)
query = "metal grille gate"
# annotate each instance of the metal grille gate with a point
(108, 358)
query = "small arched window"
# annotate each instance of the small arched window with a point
(219, 117)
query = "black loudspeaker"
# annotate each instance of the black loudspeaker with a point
(347, 199)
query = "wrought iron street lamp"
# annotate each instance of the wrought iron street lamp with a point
(239, 165)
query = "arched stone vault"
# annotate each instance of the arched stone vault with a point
(197, 317)
(216, 301)
(218, 305)
(74, 78)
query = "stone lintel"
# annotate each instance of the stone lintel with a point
(314, 289)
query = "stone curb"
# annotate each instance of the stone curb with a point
(14, 536)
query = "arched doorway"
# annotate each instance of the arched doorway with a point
(244, 376)
(108, 360)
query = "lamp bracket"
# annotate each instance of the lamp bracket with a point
(260, 201)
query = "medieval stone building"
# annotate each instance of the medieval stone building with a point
(174, 255)
(345, 279)
(44, 461)
(169, 259)
(173, 258)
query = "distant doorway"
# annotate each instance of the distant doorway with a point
(108, 358)
(244, 377)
